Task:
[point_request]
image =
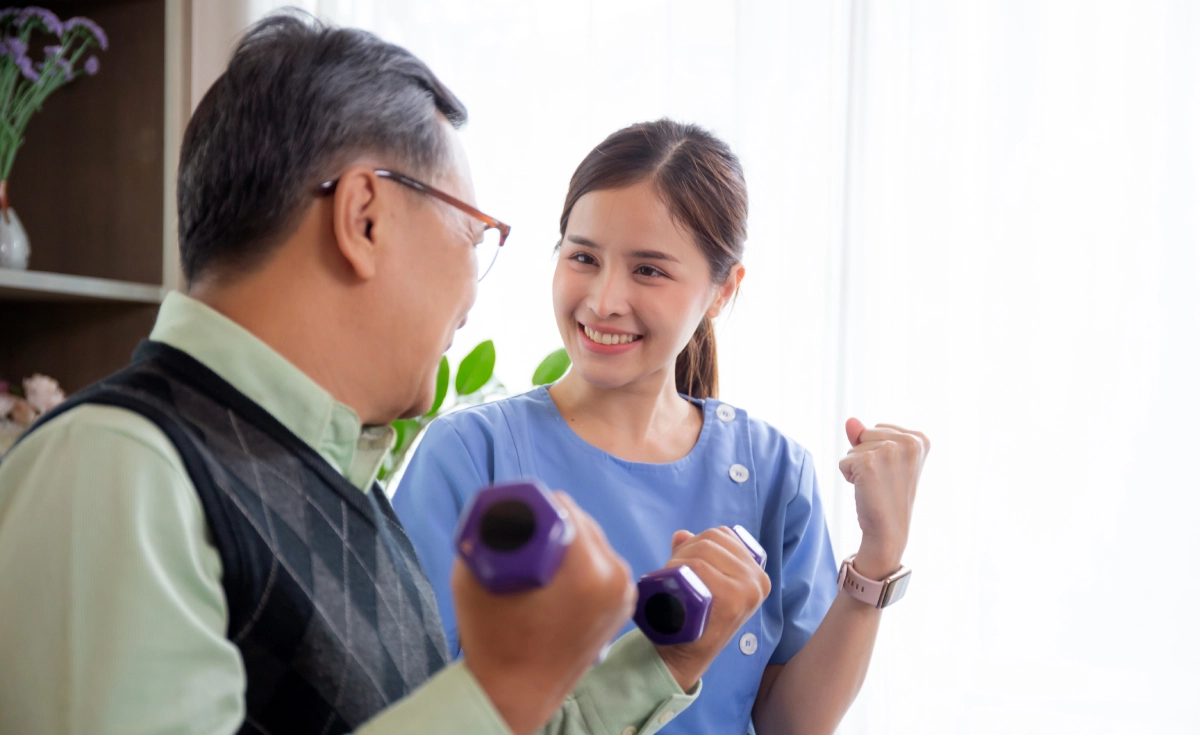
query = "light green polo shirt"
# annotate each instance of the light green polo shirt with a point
(112, 614)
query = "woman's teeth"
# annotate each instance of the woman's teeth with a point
(610, 339)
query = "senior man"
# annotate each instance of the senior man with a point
(196, 544)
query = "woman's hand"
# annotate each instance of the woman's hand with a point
(738, 585)
(884, 463)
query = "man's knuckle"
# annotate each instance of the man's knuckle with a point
(621, 573)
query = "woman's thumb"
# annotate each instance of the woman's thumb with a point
(678, 538)
(854, 430)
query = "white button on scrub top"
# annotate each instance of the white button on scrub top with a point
(748, 644)
(738, 473)
(726, 413)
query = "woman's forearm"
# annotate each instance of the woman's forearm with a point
(812, 692)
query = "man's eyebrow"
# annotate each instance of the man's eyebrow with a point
(643, 254)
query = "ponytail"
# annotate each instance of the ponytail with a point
(696, 366)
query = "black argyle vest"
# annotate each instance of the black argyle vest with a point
(328, 605)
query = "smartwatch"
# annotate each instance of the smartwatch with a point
(877, 594)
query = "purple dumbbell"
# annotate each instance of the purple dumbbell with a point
(673, 603)
(513, 537)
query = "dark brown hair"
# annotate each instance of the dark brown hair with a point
(701, 182)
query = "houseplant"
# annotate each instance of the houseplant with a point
(25, 85)
(474, 383)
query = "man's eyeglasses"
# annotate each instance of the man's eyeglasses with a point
(495, 232)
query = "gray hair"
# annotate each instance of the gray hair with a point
(298, 100)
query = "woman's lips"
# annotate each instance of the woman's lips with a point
(620, 343)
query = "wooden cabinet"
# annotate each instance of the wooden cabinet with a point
(94, 185)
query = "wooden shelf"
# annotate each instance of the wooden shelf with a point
(37, 286)
(94, 184)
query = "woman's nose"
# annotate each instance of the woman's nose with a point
(607, 296)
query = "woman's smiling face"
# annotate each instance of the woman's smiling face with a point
(630, 286)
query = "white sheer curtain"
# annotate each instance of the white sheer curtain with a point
(977, 217)
(1023, 280)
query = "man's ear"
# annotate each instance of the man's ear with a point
(727, 290)
(356, 210)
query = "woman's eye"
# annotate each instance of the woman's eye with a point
(582, 258)
(648, 270)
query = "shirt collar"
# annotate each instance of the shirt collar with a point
(282, 389)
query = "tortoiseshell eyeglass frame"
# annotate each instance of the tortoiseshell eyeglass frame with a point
(327, 187)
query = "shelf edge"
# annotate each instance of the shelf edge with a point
(35, 284)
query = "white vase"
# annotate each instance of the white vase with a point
(14, 243)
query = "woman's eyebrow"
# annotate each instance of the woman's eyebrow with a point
(641, 254)
(653, 255)
(581, 240)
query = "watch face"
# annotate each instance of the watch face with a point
(896, 590)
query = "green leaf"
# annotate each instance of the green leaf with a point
(406, 434)
(443, 384)
(407, 431)
(552, 368)
(385, 469)
(476, 369)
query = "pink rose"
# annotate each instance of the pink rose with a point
(43, 392)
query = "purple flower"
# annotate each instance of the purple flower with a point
(91, 66)
(15, 48)
(8, 14)
(52, 50)
(49, 20)
(96, 31)
(27, 70)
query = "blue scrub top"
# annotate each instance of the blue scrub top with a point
(741, 471)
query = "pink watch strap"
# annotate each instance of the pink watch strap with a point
(872, 592)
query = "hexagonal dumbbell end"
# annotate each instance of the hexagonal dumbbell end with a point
(756, 549)
(672, 606)
(513, 537)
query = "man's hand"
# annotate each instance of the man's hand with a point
(884, 463)
(529, 649)
(738, 587)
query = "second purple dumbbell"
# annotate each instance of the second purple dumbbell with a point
(673, 603)
(513, 537)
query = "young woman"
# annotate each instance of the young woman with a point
(652, 238)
